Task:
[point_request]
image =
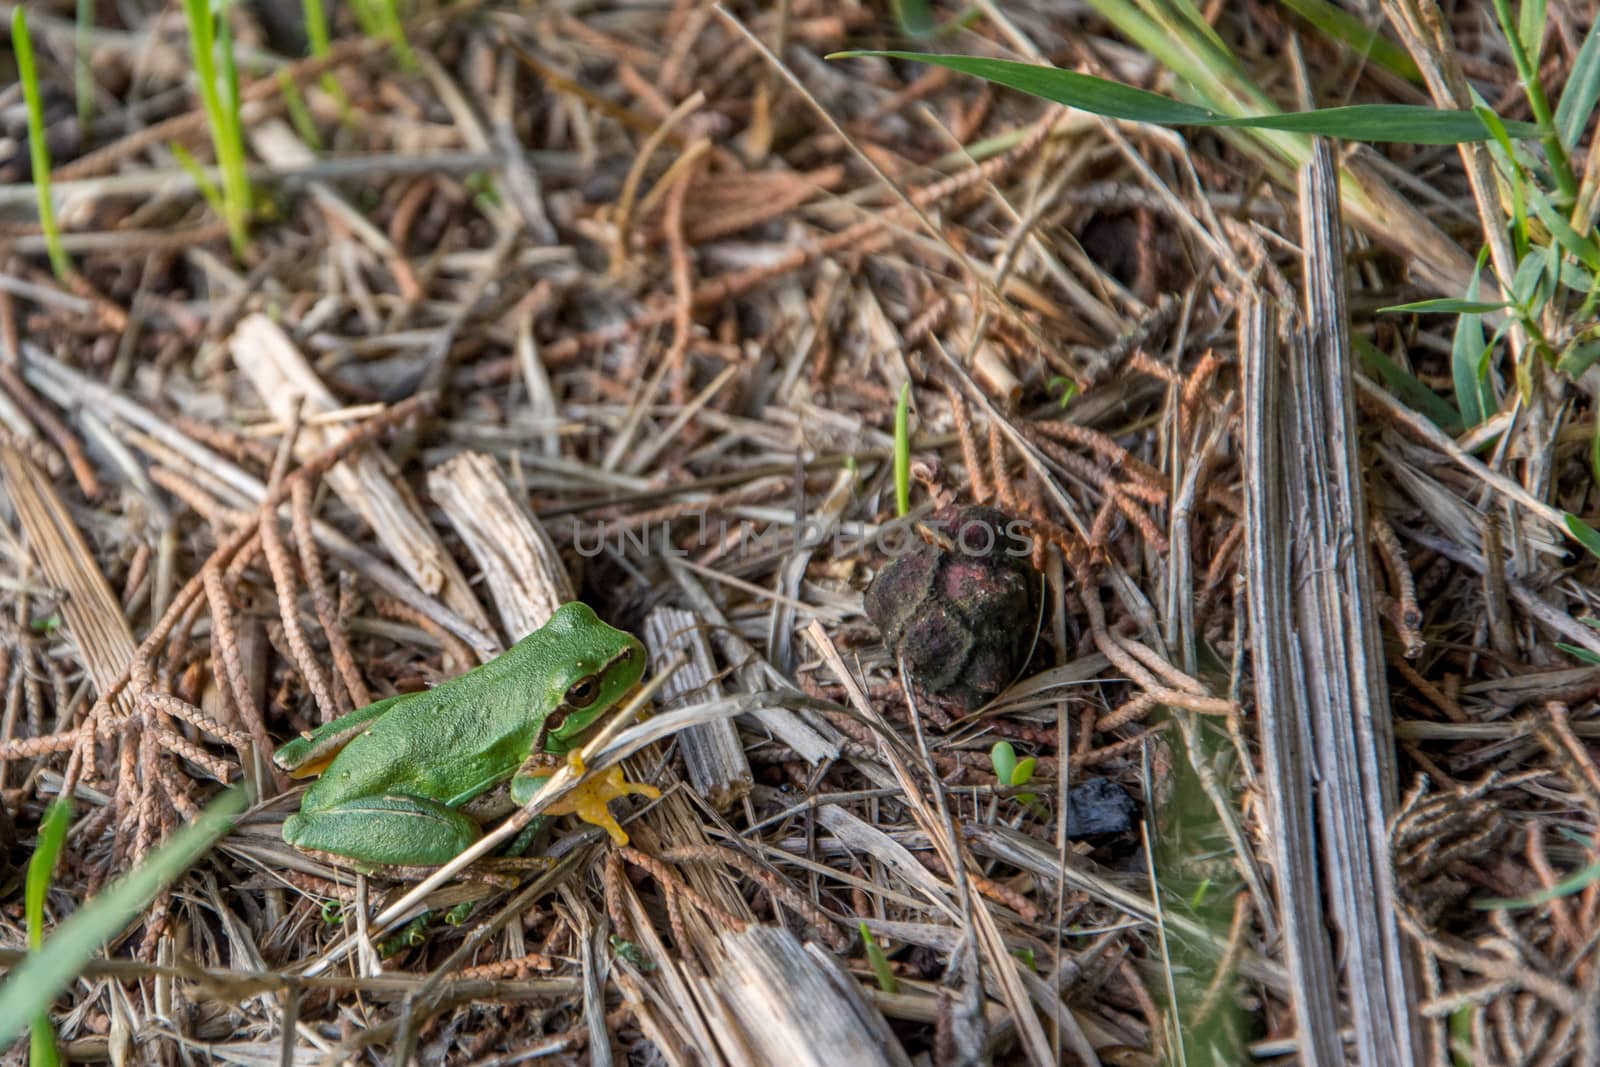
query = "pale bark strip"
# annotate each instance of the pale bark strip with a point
(1280, 698)
(521, 567)
(279, 372)
(94, 618)
(1340, 646)
(712, 753)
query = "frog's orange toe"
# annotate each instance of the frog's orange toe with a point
(590, 799)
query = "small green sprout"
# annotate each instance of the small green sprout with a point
(1064, 389)
(381, 19)
(632, 953)
(299, 113)
(38, 147)
(219, 97)
(333, 913)
(41, 870)
(485, 195)
(1461, 1050)
(410, 935)
(880, 962)
(1011, 771)
(316, 18)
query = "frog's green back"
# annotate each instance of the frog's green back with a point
(457, 740)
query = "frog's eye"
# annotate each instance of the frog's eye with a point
(584, 691)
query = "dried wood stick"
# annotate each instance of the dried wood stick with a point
(715, 759)
(521, 567)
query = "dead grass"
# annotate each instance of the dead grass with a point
(617, 286)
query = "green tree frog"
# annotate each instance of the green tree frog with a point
(396, 773)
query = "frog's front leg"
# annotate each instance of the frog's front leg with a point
(589, 800)
(391, 830)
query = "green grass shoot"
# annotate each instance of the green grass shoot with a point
(82, 74)
(41, 871)
(1405, 123)
(202, 180)
(317, 37)
(219, 96)
(299, 113)
(38, 147)
(1575, 882)
(34, 984)
(380, 19)
(1583, 533)
(881, 968)
(1012, 772)
(902, 452)
(1523, 40)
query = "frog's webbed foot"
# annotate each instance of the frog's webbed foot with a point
(590, 799)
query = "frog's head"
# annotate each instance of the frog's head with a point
(597, 665)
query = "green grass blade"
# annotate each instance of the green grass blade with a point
(1197, 25)
(882, 970)
(1594, 454)
(1576, 881)
(299, 113)
(1577, 357)
(1582, 247)
(1468, 370)
(35, 983)
(1582, 655)
(1086, 92)
(41, 870)
(233, 127)
(1583, 533)
(82, 76)
(380, 19)
(1506, 155)
(42, 867)
(1469, 361)
(1405, 123)
(38, 147)
(1405, 385)
(317, 37)
(1526, 61)
(1582, 90)
(202, 180)
(914, 17)
(1340, 25)
(316, 19)
(222, 115)
(1534, 283)
(1448, 305)
(1530, 29)
(1402, 123)
(902, 452)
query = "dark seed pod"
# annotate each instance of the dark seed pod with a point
(962, 609)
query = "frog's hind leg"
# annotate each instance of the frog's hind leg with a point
(391, 831)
